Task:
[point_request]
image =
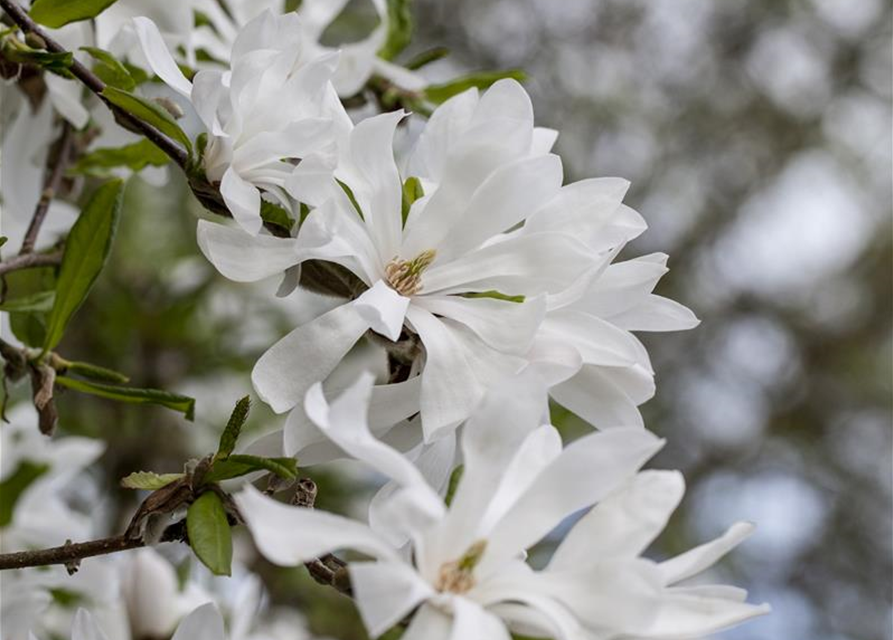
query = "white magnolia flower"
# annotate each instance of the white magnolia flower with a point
(463, 572)
(274, 105)
(484, 168)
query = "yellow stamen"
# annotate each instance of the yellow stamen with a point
(405, 276)
(458, 576)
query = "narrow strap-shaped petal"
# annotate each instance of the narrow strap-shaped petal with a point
(695, 560)
(686, 615)
(384, 309)
(597, 395)
(305, 356)
(85, 627)
(624, 523)
(160, 59)
(289, 536)
(242, 257)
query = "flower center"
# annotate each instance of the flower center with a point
(404, 276)
(457, 576)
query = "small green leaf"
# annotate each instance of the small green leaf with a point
(3, 240)
(183, 404)
(399, 29)
(149, 480)
(86, 251)
(230, 434)
(135, 156)
(209, 533)
(442, 92)
(42, 301)
(276, 215)
(95, 372)
(14, 486)
(29, 327)
(237, 465)
(455, 479)
(149, 112)
(110, 70)
(57, 13)
(58, 63)
(496, 295)
(412, 191)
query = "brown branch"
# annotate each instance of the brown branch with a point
(94, 84)
(67, 554)
(30, 261)
(56, 166)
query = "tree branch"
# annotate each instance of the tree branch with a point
(94, 84)
(56, 166)
(30, 261)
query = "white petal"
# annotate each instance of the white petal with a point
(472, 622)
(596, 397)
(242, 257)
(656, 314)
(586, 471)
(506, 98)
(623, 285)
(67, 99)
(344, 422)
(624, 523)
(370, 171)
(447, 122)
(384, 309)
(205, 623)
(289, 536)
(429, 624)
(505, 326)
(385, 592)
(530, 264)
(584, 207)
(450, 388)
(311, 181)
(305, 356)
(160, 59)
(695, 560)
(507, 197)
(543, 140)
(682, 615)
(84, 627)
(242, 199)
(599, 342)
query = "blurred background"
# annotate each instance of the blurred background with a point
(757, 136)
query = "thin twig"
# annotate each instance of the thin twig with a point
(67, 553)
(56, 166)
(30, 261)
(94, 84)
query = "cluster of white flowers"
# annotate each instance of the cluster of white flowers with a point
(490, 285)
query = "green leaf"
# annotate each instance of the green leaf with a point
(14, 486)
(412, 191)
(86, 251)
(276, 215)
(496, 295)
(110, 70)
(149, 480)
(209, 533)
(3, 240)
(95, 372)
(58, 63)
(455, 479)
(399, 29)
(442, 92)
(149, 112)
(350, 196)
(41, 301)
(239, 465)
(135, 156)
(56, 13)
(230, 434)
(183, 404)
(29, 327)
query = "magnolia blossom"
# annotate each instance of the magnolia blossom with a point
(273, 107)
(463, 571)
(473, 302)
